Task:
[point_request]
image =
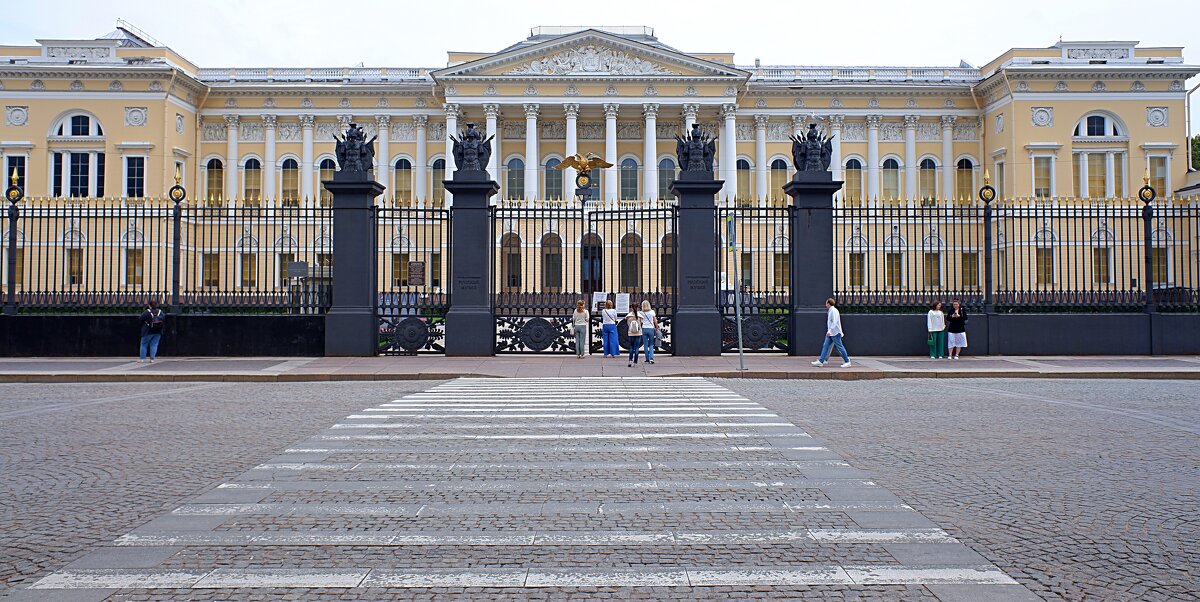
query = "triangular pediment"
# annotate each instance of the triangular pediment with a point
(590, 53)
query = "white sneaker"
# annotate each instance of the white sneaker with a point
(818, 363)
(846, 365)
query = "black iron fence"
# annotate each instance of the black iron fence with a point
(413, 279)
(754, 268)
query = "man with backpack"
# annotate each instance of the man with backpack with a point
(153, 321)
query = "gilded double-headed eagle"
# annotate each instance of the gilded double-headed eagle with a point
(583, 165)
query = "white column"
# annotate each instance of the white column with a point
(571, 110)
(873, 157)
(729, 151)
(760, 159)
(306, 160)
(611, 186)
(452, 113)
(689, 116)
(910, 156)
(797, 125)
(948, 156)
(1083, 176)
(94, 174)
(491, 112)
(421, 177)
(650, 152)
(532, 156)
(383, 159)
(232, 165)
(1110, 180)
(835, 160)
(269, 168)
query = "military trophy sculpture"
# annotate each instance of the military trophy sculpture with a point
(812, 152)
(695, 151)
(471, 154)
(583, 172)
(354, 153)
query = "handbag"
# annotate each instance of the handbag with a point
(658, 337)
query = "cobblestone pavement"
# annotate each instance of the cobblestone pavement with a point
(541, 489)
(82, 464)
(1080, 490)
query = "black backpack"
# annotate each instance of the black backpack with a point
(157, 321)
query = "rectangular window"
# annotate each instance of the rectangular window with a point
(253, 194)
(1075, 176)
(15, 163)
(970, 270)
(747, 269)
(435, 270)
(1119, 175)
(438, 175)
(248, 265)
(80, 125)
(516, 182)
(1002, 269)
(215, 184)
(283, 260)
(631, 271)
(99, 174)
(1041, 176)
(1160, 274)
(290, 180)
(57, 171)
(1101, 265)
(399, 269)
(79, 176)
(1158, 175)
(135, 177)
(552, 269)
(74, 267)
(857, 268)
(210, 270)
(928, 181)
(554, 183)
(853, 186)
(781, 268)
(891, 184)
(326, 173)
(893, 265)
(1097, 175)
(932, 274)
(1044, 258)
(134, 267)
(666, 269)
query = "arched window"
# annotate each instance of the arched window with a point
(252, 183)
(743, 180)
(854, 182)
(402, 182)
(79, 126)
(325, 172)
(629, 179)
(779, 177)
(214, 182)
(554, 180)
(1097, 125)
(666, 263)
(666, 177)
(437, 173)
(891, 179)
(552, 263)
(591, 263)
(631, 263)
(77, 173)
(515, 180)
(928, 180)
(964, 184)
(510, 266)
(289, 177)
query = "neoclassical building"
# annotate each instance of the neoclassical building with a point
(116, 116)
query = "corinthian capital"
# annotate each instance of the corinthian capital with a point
(452, 110)
(948, 120)
(690, 111)
(836, 120)
(760, 121)
(231, 121)
(421, 121)
(571, 110)
(491, 111)
(383, 121)
(910, 121)
(728, 111)
(650, 110)
(873, 121)
(611, 110)
(269, 121)
(532, 110)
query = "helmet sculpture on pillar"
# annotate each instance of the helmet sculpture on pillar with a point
(471, 151)
(813, 151)
(354, 154)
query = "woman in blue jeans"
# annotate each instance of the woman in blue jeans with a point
(633, 328)
(649, 330)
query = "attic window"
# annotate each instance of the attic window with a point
(1154, 61)
(1098, 62)
(1041, 62)
(77, 62)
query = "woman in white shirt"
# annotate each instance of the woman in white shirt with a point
(580, 320)
(649, 330)
(608, 330)
(935, 322)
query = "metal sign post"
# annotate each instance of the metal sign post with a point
(731, 236)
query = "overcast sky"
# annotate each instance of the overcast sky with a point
(301, 33)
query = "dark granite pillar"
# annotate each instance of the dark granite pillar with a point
(352, 324)
(470, 322)
(696, 329)
(811, 252)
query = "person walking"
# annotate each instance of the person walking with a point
(608, 330)
(833, 335)
(633, 328)
(935, 322)
(580, 320)
(153, 321)
(649, 330)
(956, 329)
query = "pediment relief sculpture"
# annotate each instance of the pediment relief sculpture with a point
(591, 59)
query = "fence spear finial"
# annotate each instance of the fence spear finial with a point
(178, 176)
(14, 178)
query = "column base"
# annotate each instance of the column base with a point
(696, 331)
(351, 332)
(470, 332)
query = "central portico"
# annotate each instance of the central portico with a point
(619, 94)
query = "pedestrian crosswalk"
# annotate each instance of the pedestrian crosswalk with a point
(522, 485)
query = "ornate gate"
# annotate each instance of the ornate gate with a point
(413, 277)
(758, 260)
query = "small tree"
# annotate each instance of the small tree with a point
(1196, 151)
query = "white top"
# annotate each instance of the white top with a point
(833, 322)
(609, 316)
(936, 320)
(634, 325)
(648, 319)
(580, 317)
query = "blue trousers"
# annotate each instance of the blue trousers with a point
(833, 341)
(648, 343)
(608, 333)
(149, 343)
(635, 345)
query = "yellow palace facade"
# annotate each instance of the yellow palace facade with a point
(1076, 123)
